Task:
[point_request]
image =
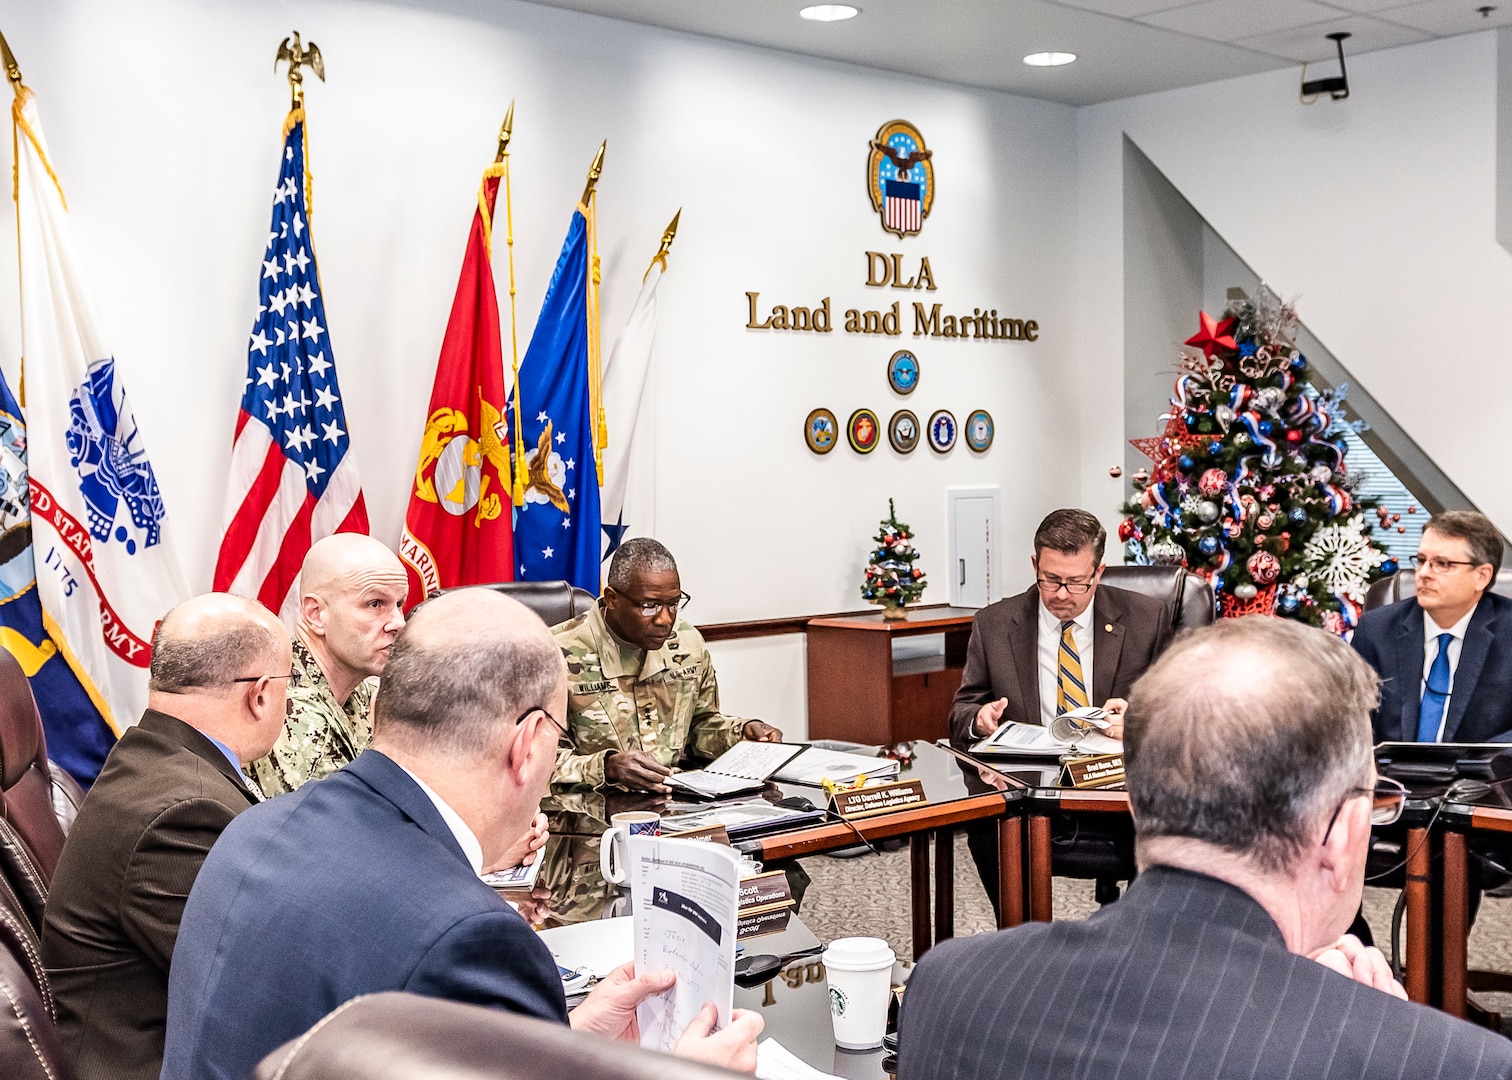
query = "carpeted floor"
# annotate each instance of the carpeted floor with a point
(869, 895)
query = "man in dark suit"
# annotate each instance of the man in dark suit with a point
(1445, 655)
(1029, 655)
(220, 668)
(1253, 790)
(369, 880)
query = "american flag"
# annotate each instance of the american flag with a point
(903, 203)
(292, 479)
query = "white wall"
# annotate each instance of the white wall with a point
(163, 118)
(1377, 212)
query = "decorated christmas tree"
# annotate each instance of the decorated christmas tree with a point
(892, 579)
(1249, 486)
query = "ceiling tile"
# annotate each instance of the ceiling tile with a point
(1228, 20)
(1130, 9)
(1364, 7)
(1450, 16)
(1306, 44)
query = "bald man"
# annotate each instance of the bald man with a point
(169, 787)
(351, 596)
(371, 876)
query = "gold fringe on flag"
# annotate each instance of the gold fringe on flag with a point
(589, 207)
(517, 482)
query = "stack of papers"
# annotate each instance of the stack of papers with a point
(744, 767)
(816, 765)
(1031, 740)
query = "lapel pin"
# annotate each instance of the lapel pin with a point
(1108, 627)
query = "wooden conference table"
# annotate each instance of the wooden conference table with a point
(956, 794)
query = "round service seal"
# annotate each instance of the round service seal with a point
(979, 430)
(903, 431)
(863, 430)
(942, 430)
(903, 371)
(821, 431)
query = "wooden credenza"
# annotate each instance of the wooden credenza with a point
(856, 691)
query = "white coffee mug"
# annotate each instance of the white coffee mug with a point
(614, 862)
(859, 973)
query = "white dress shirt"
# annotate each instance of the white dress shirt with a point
(1431, 632)
(1049, 656)
(465, 838)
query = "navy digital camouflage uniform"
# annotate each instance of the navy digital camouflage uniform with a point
(320, 734)
(619, 697)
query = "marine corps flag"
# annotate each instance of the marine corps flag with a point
(457, 530)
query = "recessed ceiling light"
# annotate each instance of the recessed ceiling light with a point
(829, 12)
(1049, 59)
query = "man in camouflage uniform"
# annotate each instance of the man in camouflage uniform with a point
(641, 688)
(351, 595)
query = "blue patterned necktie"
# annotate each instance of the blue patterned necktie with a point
(1435, 694)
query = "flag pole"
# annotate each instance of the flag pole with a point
(660, 258)
(299, 55)
(517, 484)
(13, 73)
(595, 365)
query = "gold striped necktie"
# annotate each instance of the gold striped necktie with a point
(1070, 687)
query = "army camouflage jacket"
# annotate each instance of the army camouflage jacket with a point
(319, 735)
(623, 698)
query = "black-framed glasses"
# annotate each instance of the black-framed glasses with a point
(546, 713)
(651, 608)
(295, 679)
(1050, 586)
(1388, 797)
(1437, 564)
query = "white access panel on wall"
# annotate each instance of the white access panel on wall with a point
(975, 549)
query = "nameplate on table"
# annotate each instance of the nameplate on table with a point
(1104, 770)
(772, 920)
(713, 834)
(764, 890)
(862, 802)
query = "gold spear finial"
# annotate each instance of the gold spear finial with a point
(594, 171)
(669, 235)
(299, 55)
(505, 130)
(12, 69)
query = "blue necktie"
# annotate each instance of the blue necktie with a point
(1435, 694)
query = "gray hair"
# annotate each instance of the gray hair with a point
(457, 694)
(211, 660)
(1482, 538)
(1245, 734)
(636, 557)
(1069, 532)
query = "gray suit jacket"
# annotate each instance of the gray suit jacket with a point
(1186, 977)
(1002, 660)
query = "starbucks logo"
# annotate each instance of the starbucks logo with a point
(837, 1001)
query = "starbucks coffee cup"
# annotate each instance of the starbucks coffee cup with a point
(859, 972)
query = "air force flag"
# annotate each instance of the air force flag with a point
(556, 533)
(106, 570)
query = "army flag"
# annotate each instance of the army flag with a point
(457, 530)
(292, 478)
(106, 568)
(557, 534)
(629, 495)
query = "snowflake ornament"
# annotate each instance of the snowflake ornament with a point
(1343, 557)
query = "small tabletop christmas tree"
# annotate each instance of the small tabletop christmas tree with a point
(892, 579)
(1249, 486)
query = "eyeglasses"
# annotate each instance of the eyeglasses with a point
(1439, 565)
(554, 721)
(295, 679)
(1388, 797)
(1049, 586)
(651, 608)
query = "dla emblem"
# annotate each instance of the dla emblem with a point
(104, 447)
(900, 178)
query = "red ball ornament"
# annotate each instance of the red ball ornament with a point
(1212, 482)
(1401, 528)
(1412, 509)
(1263, 567)
(1126, 529)
(1293, 435)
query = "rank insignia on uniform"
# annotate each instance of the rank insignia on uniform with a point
(979, 430)
(942, 430)
(863, 430)
(903, 371)
(821, 431)
(900, 178)
(903, 431)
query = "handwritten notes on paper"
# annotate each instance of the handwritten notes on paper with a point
(684, 897)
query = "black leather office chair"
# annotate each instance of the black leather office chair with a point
(405, 1037)
(29, 1045)
(1187, 597)
(1403, 584)
(554, 601)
